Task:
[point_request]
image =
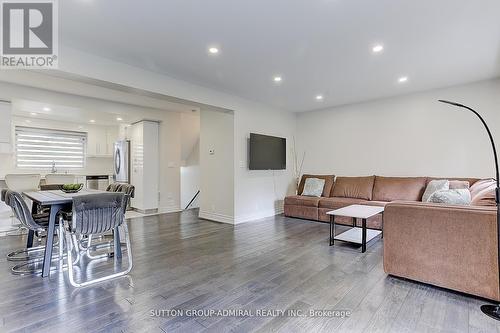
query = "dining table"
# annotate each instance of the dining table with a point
(57, 200)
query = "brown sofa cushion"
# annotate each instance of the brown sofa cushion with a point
(354, 187)
(328, 183)
(301, 200)
(302, 212)
(483, 193)
(399, 188)
(336, 202)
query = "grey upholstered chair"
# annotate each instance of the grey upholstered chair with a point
(96, 214)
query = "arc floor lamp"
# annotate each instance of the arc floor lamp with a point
(490, 310)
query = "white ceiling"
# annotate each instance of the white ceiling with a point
(317, 46)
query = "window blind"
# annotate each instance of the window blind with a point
(38, 148)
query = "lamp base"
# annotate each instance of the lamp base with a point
(492, 311)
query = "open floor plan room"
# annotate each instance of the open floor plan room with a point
(249, 166)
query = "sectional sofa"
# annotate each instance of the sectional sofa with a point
(450, 246)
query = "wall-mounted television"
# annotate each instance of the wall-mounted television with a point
(267, 152)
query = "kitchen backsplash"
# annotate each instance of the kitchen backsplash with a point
(94, 166)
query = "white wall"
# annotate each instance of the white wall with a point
(411, 135)
(190, 177)
(217, 166)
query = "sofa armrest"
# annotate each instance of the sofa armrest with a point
(453, 247)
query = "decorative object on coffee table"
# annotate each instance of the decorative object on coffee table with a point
(491, 310)
(356, 235)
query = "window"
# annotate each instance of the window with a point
(38, 148)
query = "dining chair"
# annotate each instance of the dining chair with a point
(23, 214)
(94, 215)
(128, 189)
(22, 182)
(59, 179)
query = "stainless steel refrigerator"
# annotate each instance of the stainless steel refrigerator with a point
(121, 161)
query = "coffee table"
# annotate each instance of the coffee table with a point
(356, 235)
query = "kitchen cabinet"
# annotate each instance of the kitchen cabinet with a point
(111, 138)
(100, 141)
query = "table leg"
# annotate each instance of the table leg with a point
(54, 209)
(363, 237)
(117, 244)
(29, 242)
(31, 233)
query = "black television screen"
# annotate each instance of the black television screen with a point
(267, 152)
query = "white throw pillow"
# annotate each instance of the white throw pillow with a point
(313, 187)
(452, 197)
(434, 186)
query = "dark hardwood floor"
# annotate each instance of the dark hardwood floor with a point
(181, 262)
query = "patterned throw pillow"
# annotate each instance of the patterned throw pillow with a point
(452, 197)
(313, 187)
(434, 186)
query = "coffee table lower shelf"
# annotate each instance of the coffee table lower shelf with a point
(355, 235)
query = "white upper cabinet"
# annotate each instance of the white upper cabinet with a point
(100, 141)
(5, 127)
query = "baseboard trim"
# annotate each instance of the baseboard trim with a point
(216, 217)
(258, 216)
(146, 211)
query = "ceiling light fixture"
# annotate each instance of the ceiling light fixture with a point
(277, 79)
(403, 79)
(92, 120)
(213, 50)
(47, 109)
(378, 48)
(319, 97)
(33, 113)
(119, 119)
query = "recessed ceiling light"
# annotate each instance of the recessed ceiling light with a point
(119, 119)
(378, 48)
(92, 120)
(319, 97)
(403, 79)
(213, 50)
(47, 109)
(277, 79)
(33, 113)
